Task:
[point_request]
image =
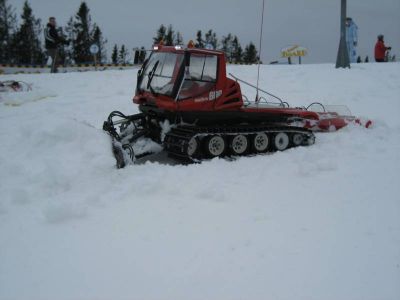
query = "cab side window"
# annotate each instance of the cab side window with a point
(201, 77)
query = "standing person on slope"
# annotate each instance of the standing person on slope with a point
(53, 40)
(351, 39)
(380, 49)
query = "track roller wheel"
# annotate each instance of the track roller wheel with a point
(193, 146)
(297, 139)
(215, 145)
(310, 141)
(281, 141)
(239, 144)
(260, 142)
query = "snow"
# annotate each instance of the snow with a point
(318, 222)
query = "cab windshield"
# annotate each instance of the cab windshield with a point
(161, 72)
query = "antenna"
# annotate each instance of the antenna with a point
(259, 57)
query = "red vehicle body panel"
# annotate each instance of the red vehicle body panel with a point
(227, 96)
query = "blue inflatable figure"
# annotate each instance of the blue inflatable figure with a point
(351, 39)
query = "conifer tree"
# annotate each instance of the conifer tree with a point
(82, 30)
(114, 55)
(250, 54)
(63, 51)
(199, 40)
(83, 34)
(227, 46)
(70, 36)
(237, 51)
(178, 39)
(169, 36)
(7, 29)
(160, 36)
(123, 55)
(211, 39)
(97, 38)
(26, 41)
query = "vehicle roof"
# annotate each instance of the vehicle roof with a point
(191, 50)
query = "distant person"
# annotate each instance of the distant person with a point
(53, 40)
(380, 49)
(351, 39)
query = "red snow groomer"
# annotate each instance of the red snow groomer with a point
(194, 111)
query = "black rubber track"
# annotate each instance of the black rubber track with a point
(176, 142)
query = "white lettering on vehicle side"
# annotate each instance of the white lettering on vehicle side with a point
(211, 96)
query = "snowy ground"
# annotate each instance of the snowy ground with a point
(319, 222)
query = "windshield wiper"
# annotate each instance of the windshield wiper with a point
(151, 76)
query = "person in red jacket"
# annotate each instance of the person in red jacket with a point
(380, 49)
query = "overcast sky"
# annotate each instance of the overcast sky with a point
(313, 24)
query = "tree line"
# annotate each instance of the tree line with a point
(23, 44)
(229, 44)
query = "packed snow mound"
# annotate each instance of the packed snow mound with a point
(318, 222)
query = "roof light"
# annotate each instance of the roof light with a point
(159, 45)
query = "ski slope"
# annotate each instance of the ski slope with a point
(318, 222)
